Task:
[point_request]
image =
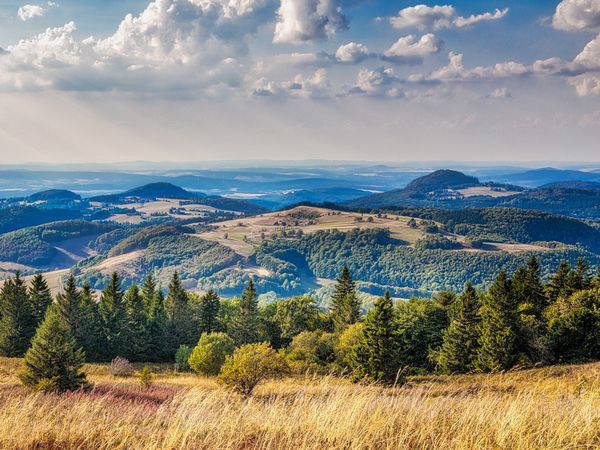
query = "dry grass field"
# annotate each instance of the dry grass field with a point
(553, 408)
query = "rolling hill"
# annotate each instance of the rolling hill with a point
(154, 191)
(54, 195)
(539, 177)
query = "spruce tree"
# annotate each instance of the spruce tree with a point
(345, 305)
(375, 357)
(158, 323)
(53, 363)
(17, 320)
(461, 338)
(113, 319)
(148, 292)
(181, 323)
(89, 334)
(40, 297)
(245, 323)
(209, 309)
(137, 321)
(558, 285)
(68, 305)
(499, 328)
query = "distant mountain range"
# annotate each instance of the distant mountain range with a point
(539, 177)
(454, 190)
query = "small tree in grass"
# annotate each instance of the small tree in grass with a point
(181, 358)
(210, 353)
(249, 365)
(53, 363)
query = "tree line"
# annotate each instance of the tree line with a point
(519, 321)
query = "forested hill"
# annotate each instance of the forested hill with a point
(454, 190)
(54, 195)
(151, 191)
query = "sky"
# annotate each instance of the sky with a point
(380, 80)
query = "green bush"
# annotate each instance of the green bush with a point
(249, 365)
(210, 353)
(311, 350)
(181, 358)
(146, 377)
(346, 342)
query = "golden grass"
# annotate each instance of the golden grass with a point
(556, 407)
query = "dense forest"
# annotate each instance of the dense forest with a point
(519, 321)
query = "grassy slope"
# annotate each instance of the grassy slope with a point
(556, 407)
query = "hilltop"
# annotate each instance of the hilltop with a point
(149, 192)
(60, 195)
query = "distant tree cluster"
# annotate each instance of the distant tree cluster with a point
(519, 321)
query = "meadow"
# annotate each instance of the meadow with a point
(555, 407)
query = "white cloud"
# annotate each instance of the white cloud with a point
(315, 86)
(171, 44)
(308, 20)
(27, 12)
(408, 49)
(352, 53)
(436, 17)
(577, 15)
(379, 82)
(500, 93)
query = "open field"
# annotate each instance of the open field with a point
(486, 191)
(55, 279)
(242, 235)
(556, 407)
(245, 234)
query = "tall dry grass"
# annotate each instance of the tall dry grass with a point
(555, 407)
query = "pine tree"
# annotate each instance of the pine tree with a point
(461, 338)
(209, 309)
(181, 324)
(17, 320)
(40, 297)
(89, 334)
(113, 319)
(148, 292)
(68, 304)
(499, 328)
(137, 321)
(158, 323)
(53, 363)
(345, 305)
(376, 358)
(558, 285)
(245, 323)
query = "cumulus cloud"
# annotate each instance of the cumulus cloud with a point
(577, 15)
(437, 17)
(172, 43)
(352, 53)
(378, 82)
(27, 12)
(315, 86)
(500, 93)
(308, 20)
(409, 49)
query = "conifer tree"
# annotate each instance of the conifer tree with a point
(461, 338)
(137, 321)
(89, 334)
(558, 285)
(40, 297)
(17, 320)
(499, 328)
(53, 363)
(68, 305)
(209, 309)
(245, 323)
(181, 323)
(148, 292)
(345, 305)
(158, 324)
(375, 357)
(113, 319)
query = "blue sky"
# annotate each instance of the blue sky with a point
(290, 79)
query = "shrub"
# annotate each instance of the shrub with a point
(146, 378)
(181, 358)
(249, 365)
(210, 353)
(120, 367)
(347, 340)
(312, 350)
